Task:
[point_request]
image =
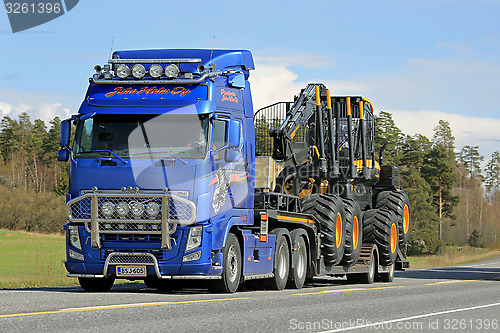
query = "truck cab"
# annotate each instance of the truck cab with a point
(160, 165)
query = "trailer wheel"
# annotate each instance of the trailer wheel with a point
(329, 211)
(369, 276)
(94, 285)
(388, 276)
(298, 273)
(354, 232)
(281, 262)
(380, 227)
(231, 269)
(398, 202)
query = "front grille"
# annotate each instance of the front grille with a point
(130, 258)
(146, 238)
(125, 227)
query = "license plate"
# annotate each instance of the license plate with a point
(130, 270)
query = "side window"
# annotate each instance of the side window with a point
(85, 142)
(219, 136)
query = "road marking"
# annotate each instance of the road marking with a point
(345, 290)
(446, 282)
(119, 306)
(385, 322)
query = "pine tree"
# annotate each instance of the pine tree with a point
(470, 158)
(386, 132)
(493, 174)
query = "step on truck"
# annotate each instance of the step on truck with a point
(174, 177)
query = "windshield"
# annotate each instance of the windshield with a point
(143, 136)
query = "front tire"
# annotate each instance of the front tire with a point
(231, 269)
(354, 232)
(398, 202)
(95, 285)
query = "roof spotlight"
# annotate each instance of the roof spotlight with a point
(172, 71)
(138, 71)
(98, 69)
(155, 71)
(123, 71)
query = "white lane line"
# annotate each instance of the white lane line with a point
(385, 322)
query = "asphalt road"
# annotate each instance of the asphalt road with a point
(461, 298)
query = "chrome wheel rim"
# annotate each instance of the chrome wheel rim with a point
(301, 260)
(282, 264)
(232, 261)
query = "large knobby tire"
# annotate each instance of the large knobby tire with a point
(398, 202)
(298, 272)
(380, 227)
(328, 210)
(354, 232)
(281, 262)
(96, 284)
(231, 268)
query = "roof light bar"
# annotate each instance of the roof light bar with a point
(153, 61)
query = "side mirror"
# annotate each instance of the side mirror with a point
(65, 133)
(233, 134)
(63, 155)
(236, 80)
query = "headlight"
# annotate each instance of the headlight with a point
(108, 209)
(194, 238)
(138, 71)
(171, 71)
(137, 209)
(152, 209)
(74, 237)
(155, 71)
(122, 208)
(123, 71)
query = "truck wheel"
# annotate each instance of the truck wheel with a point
(231, 269)
(354, 232)
(298, 273)
(389, 276)
(369, 277)
(381, 228)
(328, 210)
(398, 202)
(281, 262)
(96, 284)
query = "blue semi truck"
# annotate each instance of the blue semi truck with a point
(174, 177)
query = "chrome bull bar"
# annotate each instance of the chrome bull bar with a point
(173, 211)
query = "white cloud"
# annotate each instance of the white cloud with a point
(468, 130)
(273, 81)
(43, 110)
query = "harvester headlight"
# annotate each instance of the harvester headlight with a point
(138, 71)
(137, 209)
(172, 71)
(155, 71)
(123, 71)
(122, 208)
(107, 209)
(152, 209)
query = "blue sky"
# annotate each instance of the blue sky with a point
(420, 60)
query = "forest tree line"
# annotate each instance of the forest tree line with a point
(454, 201)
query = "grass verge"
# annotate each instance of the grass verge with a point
(32, 260)
(454, 255)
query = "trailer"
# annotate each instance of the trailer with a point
(174, 177)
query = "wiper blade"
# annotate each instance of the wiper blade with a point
(160, 152)
(104, 151)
